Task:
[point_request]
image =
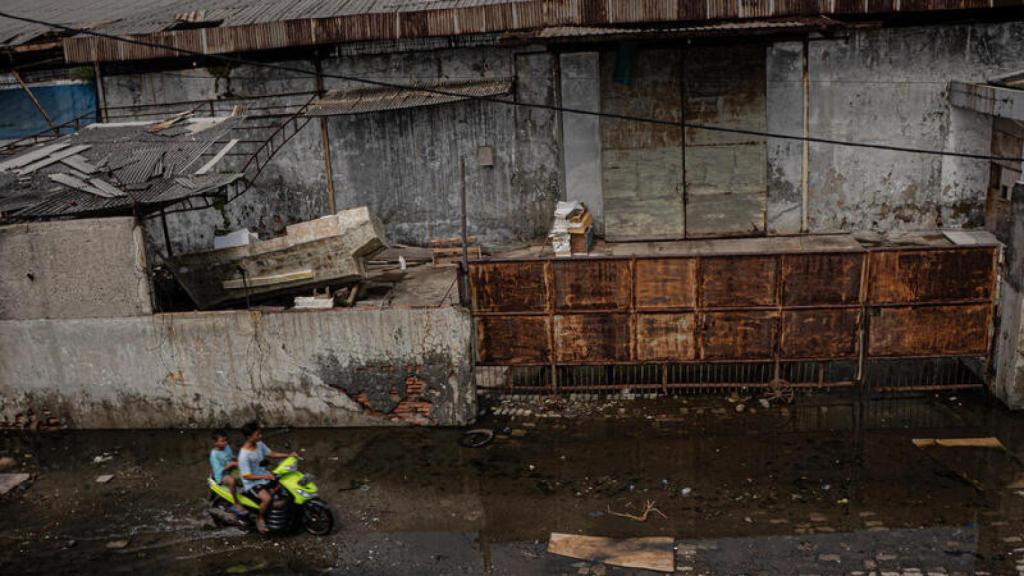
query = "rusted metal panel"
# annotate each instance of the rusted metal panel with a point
(821, 279)
(592, 338)
(513, 339)
(666, 283)
(929, 330)
(820, 333)
(738, 335)
(643, 11)
(738, 281)
(592, 285)
(642, 163)
(507, 286)
(667, 337)
(726, 182)
(931, 275)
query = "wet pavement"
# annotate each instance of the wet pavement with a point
(824, 486)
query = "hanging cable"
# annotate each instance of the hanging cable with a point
(496, 100)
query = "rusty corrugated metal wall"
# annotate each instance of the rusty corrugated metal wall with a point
(761, 312)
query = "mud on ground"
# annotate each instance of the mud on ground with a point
(824, 486)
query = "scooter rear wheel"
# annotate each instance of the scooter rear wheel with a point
(317, 518)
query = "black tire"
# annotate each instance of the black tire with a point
(476, 438)
(317, 518)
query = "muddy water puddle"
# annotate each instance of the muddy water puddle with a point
(823, 486)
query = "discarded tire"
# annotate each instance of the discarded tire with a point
(476, 438)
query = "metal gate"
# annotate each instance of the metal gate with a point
(885, 319)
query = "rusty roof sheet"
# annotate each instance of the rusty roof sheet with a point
(249, 25)
(365, 100)
(577, 33)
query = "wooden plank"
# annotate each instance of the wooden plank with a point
(54, 158)
(824, 333)
(592, 338)
(267, 280)
(649, 553)
(666, 283)
(592, 284)
(217, 157)
(32, 156)
(738, 335)
(982, 442)
(737, 281)
(507, 286)
(931, 275)
(78, 184)
(79, 163)
(512, 340)
(929, 330)
(665, 337)
(809, 279)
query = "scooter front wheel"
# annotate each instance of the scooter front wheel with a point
(317, 518)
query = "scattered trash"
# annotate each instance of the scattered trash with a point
(651, 553)
(476, 438)
(105, 457)
(104, 478)
(843, 501)
(987, 442)
(648, 508)
(685, 491)
(764, 403)
(740, 407)
(9, 482)
(6, 463)
(118, 544)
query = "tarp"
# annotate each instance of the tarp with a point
(63, 101)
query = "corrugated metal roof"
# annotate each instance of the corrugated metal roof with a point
(576, 33)
(249, 25)
(151, 169)
(377, 99)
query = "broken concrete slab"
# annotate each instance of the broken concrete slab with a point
(650, 553)
(9, 482)
(321, 252)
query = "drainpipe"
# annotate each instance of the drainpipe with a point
(805, 179)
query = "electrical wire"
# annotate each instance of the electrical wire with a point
(495, 100)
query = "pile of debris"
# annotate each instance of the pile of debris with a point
(572, 233)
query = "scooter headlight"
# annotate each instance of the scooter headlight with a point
(304, 494)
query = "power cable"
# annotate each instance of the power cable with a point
(492, 99)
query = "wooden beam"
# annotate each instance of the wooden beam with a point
(17, 76)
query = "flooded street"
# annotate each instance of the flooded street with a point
(822, 486)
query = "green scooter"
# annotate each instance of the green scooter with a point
(295, 501)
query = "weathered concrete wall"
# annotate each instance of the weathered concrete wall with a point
(73, 269)
(404, 164)
(310, 368)
(581, 134)
(888, 86)
(1008, 351)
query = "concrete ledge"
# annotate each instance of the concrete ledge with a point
(308, 368)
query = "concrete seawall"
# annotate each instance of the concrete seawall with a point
(309, 368)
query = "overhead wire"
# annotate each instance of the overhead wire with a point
(534, 105)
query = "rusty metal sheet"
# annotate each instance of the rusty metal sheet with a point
(738, 335)
(819, 333)
(737, 281)
(929, 330)
(665, 337)
(931, 275)
(507, 287)
(592, 284)
(513, 339)
(592, 338)
(821, 279)
(666, 283)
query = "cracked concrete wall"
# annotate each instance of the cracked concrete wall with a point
(86, 268)
(206, 369)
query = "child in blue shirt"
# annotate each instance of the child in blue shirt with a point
(222, 462)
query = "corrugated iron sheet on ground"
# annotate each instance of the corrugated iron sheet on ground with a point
(377, 99)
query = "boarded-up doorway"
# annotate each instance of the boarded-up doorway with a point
(656, 188)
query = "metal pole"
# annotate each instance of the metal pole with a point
(49, 121)
(100, 95)
(806, 152)
(325, 141)
(465, 248)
